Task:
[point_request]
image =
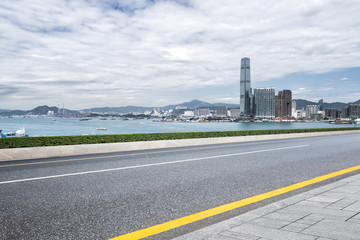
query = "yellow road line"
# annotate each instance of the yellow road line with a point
(132, 154)
(150, 231)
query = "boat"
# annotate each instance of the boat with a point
(84, 119)
(357, 121)
(101, 128)
(18, 133)
(103, 118)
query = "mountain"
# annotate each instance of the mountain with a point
(194, 104)
(357, 102)
(190, 105)
(126, 109)
(40, 110)
(301, 103)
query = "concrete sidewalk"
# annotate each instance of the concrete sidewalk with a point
(328, 212)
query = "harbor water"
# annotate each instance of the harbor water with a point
(72, 126)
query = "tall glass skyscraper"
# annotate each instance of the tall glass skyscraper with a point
(245, 88)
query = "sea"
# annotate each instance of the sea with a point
(45, 126)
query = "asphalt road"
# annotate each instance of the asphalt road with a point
(107, 195)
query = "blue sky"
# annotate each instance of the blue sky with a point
(94, 53)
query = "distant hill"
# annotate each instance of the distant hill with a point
(301, 103)
(194, 104)
(189, 105)
(40, 110)
(126, 109)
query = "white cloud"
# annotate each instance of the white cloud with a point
(96, 53)
(344, 79)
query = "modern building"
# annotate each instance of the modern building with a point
(283, 104)
(351, 111)
(332, 113)
(321, 105)
(221, 111)
(202, 112)
(311, 111)
(265, 102)
(235, 113)
(188, 113)
(293, 109)
(246, 98)
(299, 114)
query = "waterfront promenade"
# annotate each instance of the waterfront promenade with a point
(330, 212)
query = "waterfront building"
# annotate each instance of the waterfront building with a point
(202, 112)
(221, 111)
(321, 105)
(246, 98)
(293, 108)
(332, 113)
(351, 111)
(284, 104)
(235, 113)
(299, 114)
(311, 111)
(265, 102)
(188, 113)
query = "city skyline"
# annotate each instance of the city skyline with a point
(149, 53)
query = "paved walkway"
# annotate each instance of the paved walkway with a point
(328, 212)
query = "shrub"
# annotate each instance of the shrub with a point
(20, 142)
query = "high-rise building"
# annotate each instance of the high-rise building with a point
(283, 104)
(293, 108)
(265, 102)
(235, 113)
(311, 111)
(332, 113)
(202, 112)
(221, 111)
(246, 98)
(353, 111)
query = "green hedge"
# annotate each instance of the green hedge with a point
(19, 142)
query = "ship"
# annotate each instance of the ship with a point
(18, 133)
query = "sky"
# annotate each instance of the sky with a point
(97, 53)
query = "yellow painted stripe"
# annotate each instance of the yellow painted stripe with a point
(150, 231)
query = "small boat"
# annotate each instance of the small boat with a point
(84, 119)
(101, 128)
(18, 133)
(357, 121)
(103, 118)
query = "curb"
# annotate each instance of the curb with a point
(70, 150)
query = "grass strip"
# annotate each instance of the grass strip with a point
(21, 142)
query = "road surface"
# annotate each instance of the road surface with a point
(106, 195)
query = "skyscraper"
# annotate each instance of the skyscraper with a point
(283, 103)
(245, 88)
(265, 102)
